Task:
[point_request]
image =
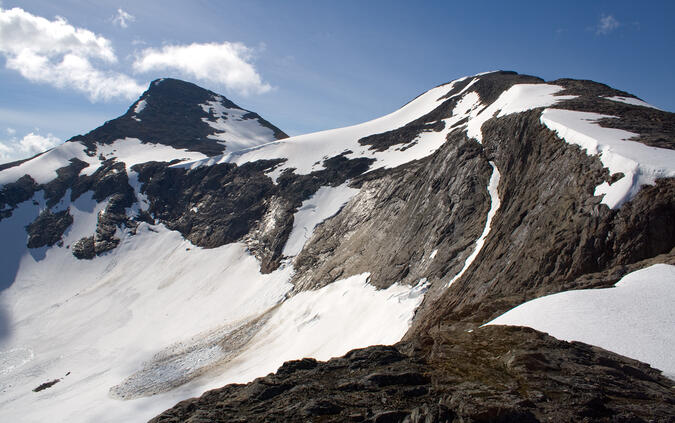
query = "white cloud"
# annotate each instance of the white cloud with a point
(607, 24)
(57, 53)
(77, 72)
(227, 64)
(20, 30)
(28, 146)
(123, 18)
(11, 131)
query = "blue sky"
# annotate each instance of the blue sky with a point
(307, 65)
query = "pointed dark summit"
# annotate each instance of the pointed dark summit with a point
(171, 112)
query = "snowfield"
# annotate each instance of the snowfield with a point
(186, 321)
(635, 318)
(158, 319)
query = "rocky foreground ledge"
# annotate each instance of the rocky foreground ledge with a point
(491, 374)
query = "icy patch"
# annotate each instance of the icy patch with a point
(518, 98)
(233, 129)
(140, 106)
(640, 163)
(632, 101)
(495, 202)
(325, 203)
(433, 254)
(13, 359)
(635, 318)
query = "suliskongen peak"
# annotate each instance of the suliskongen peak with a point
(500, 248)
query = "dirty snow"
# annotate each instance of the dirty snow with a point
(495, 202)
(634, 318)
(640, 163)
(326, 202)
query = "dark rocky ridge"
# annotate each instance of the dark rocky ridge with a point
(494, 374)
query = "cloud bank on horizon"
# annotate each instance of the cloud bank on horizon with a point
(56, 53)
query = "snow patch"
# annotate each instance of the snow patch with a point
(131, 151)
(634, 318)
(325, 203)
(639, 163)
(235, 131)
(140, 106)
(518, 98)
(632, 101)
(495, 202)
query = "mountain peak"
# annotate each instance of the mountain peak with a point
(184, 115)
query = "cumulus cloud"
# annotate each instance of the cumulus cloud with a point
(607, 24)
(75, 72)
(123, 18)
(28, 146)
(57, 53)
(227, 64)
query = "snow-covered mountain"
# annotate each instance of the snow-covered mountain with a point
(189, 244)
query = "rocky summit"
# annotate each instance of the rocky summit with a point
(499, 249)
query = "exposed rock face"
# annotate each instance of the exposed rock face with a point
(48, 228)
(393, 226)
(215, 205)
(494, 374)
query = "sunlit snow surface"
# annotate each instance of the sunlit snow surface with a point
(305, 153)
(636, 318)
